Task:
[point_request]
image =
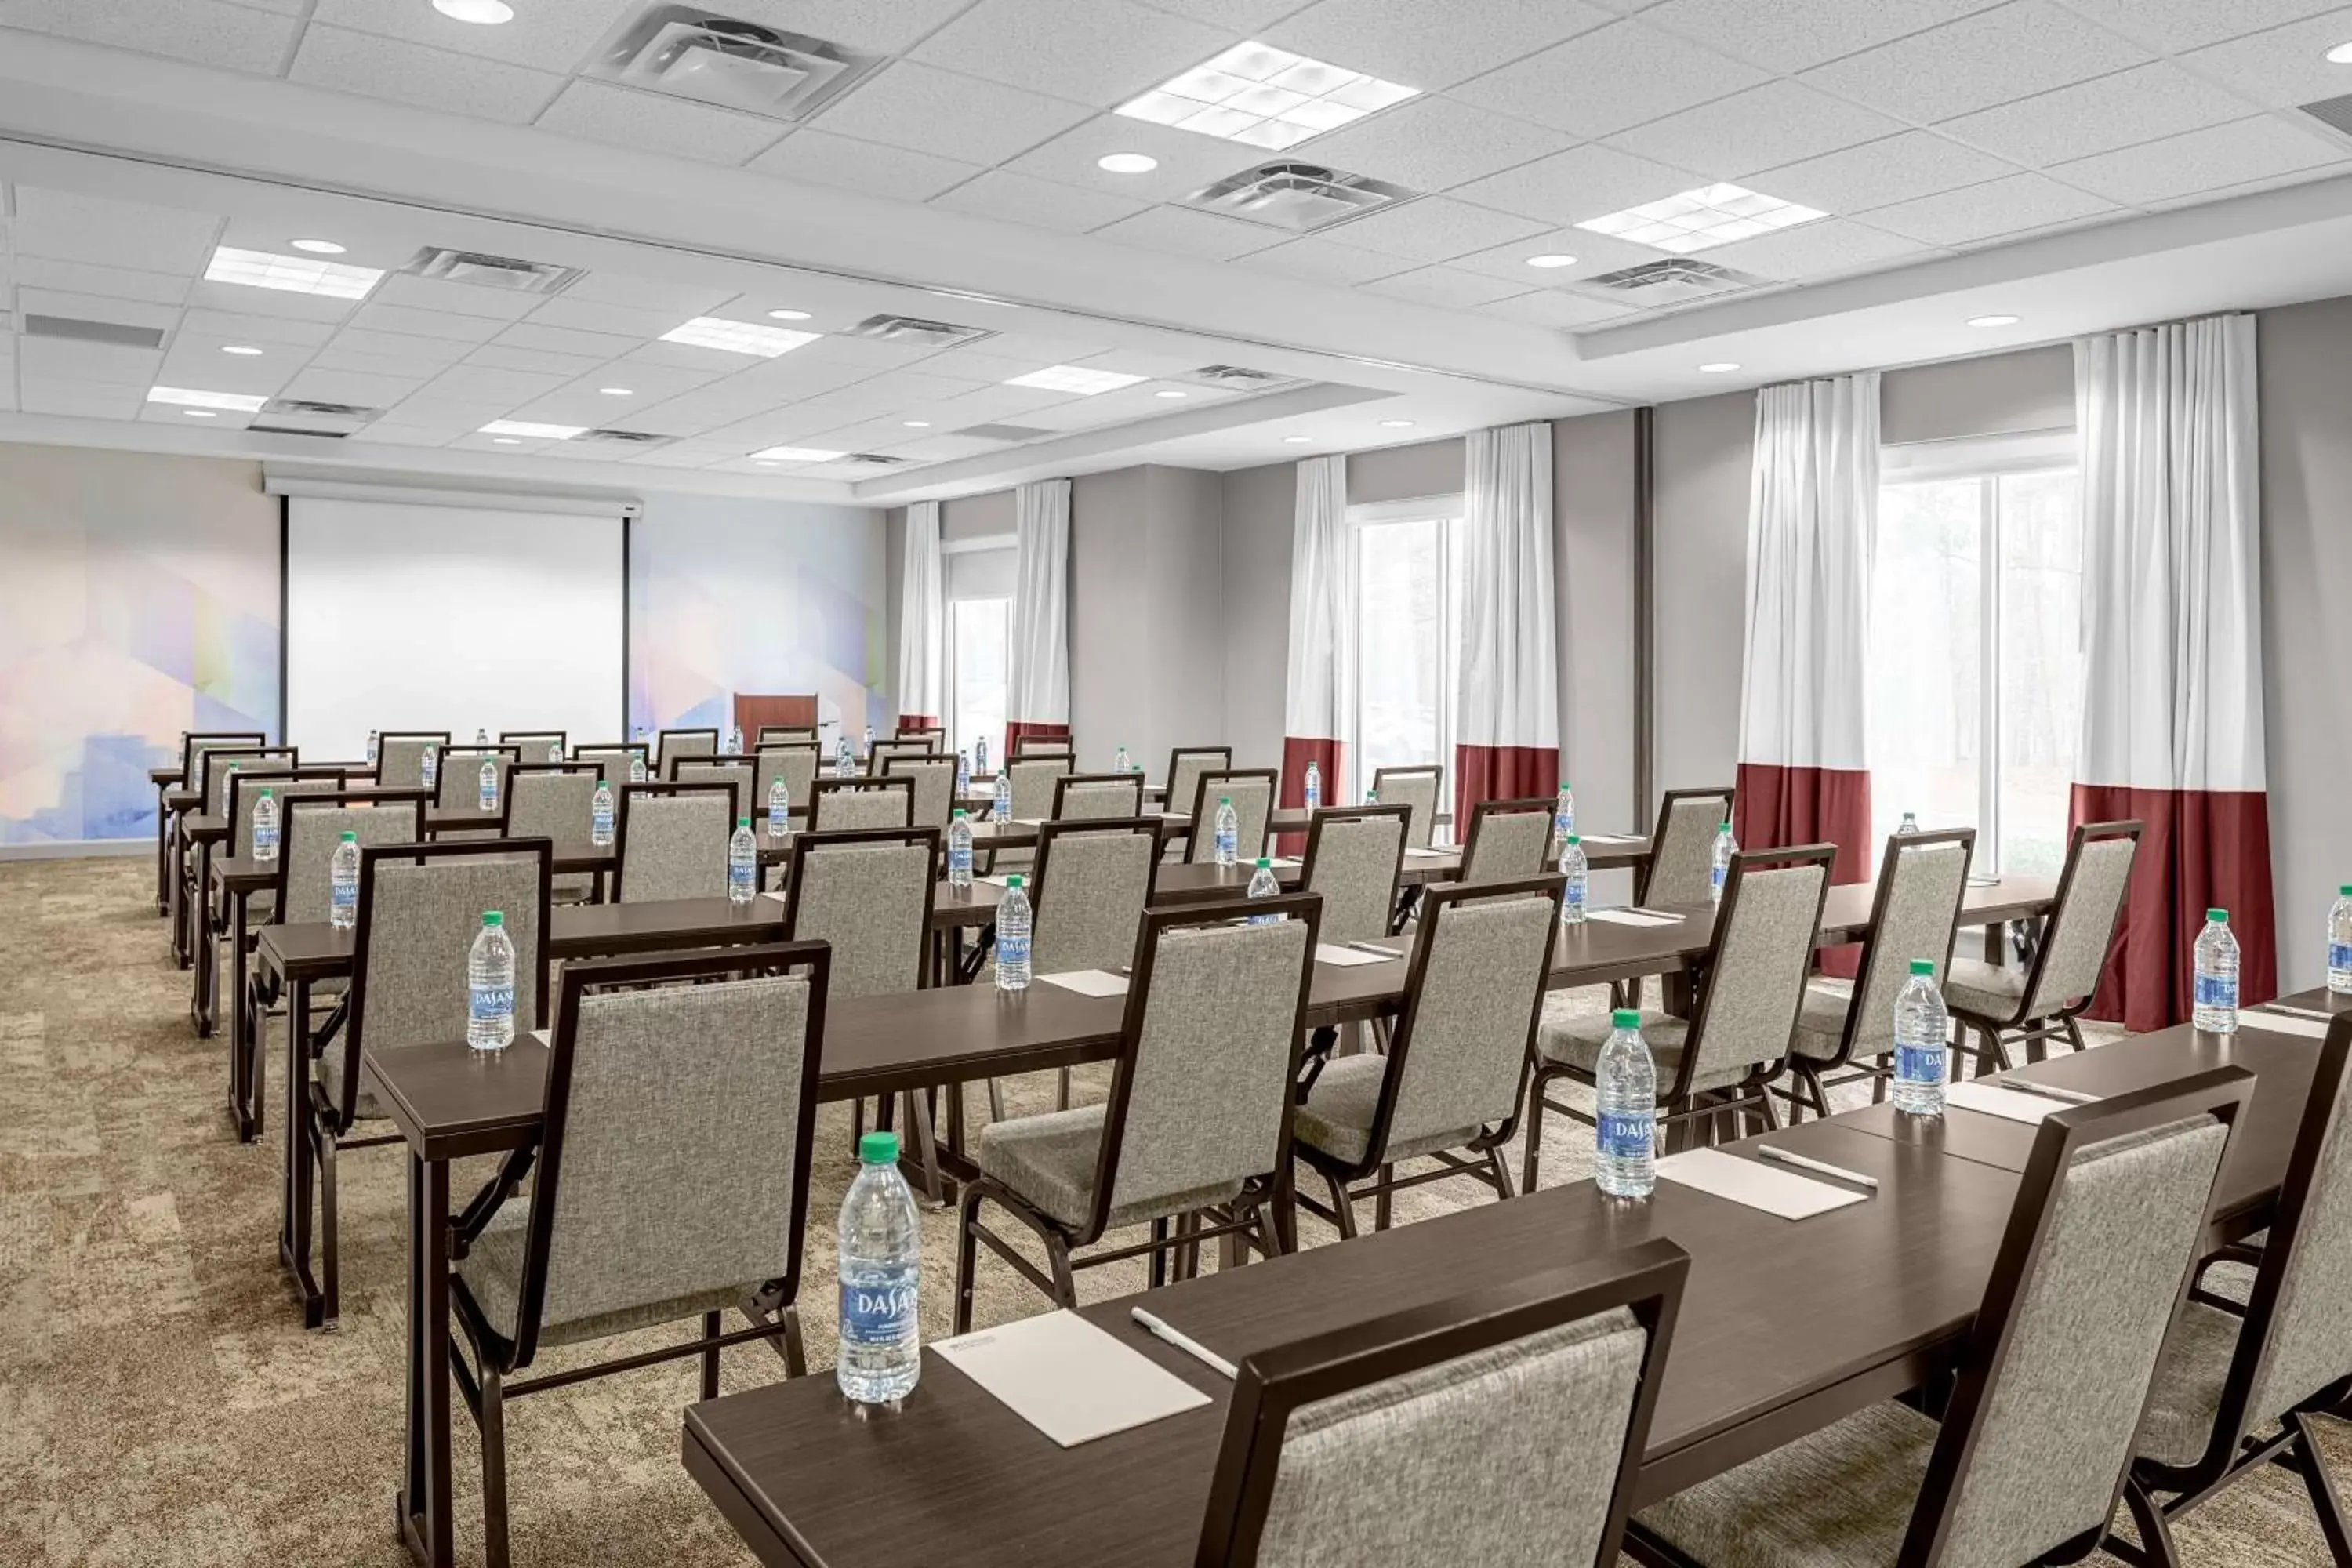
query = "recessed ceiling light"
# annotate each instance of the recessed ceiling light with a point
(1992, 320)
(1709, 216)
(199, 413)
(519, 427)
(1127, 162)
(617, 390)
(1264, 97)
(737, 337)
(2341, 55)
(487, 12)
(505, 440)
(788, 315)
(293, 274)
(318, 246)
(1296, 440)
(1396, 424)
(1719, 367)
(1172, 394)
(240, 350)
(1552, 258)
(795, 455)
(190, 398)
(1075, 378)
(916, 424)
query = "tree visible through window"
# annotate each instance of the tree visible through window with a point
(980, 660)
(1407, 613)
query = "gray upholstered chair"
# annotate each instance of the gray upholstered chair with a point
(1681, 866)
(458, 785)
(613, 761)
(1198, 1127)
(878, 756)
(735, 772)
(557, 802)
(786, 735)
(221, 762)
(1913, 914)
(420, 907)
(1185, 766)
(1456, 1061)
(2032, 1006)
(1250, 790)
(671, 842)
(671, 744)
(536, 745)
(854, 805)
(1415, 788)
(284, 785)
(1393, 1443)
(2238, 1383)
(669, 1080)
(1720, 1060)
(1035, 745)
(797, 762)
(933, 736)
(400, 756)
(1507, 839)
(2025, 1465)
(1033, 780)
(1094, 797)
(1353, 857)
(934, 777)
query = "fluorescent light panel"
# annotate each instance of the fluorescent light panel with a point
(737, 337)
(1695, 220)
(536, 432)
(190, 398)
(1075, 378)
(291, 274)
(1264, 97)
(795, 455)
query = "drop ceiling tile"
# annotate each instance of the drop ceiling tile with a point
(70, 227)
(105, 282)
(96, 308)
(384, 433)
(447, 324)
(1435, 228)
(1177, 231)
(1104, 57)
(1039, 203)
(2221, 155)
(1432, 143)
(479, 383)
(1993, 56)
(104, 365)
(82, 399)
(462, 299)
(1319, 261)
(334, 358)
(538, 362)
(401, 345)
(2285, 66)
(686, 356)
(1793, 35)
(933, 447)
(1234, 16)
(1416, 45)
(435, 78)
(1610, 79)
(2098, 116)
(551, 37)
(1779, 123)
(1817, 251)
(1187, 161)
(1997, 207)
(202, 32)
(1897, 169)
(912, 105)
(650, 384)
(981, 365)
(1594, 253)
(1581, 183)
(238, 327)
(568, 340)
(193, 361)
(845, 163)
(1555, 308)
(349, 386)
(878, 26)
(683, 300)
(1448, 287)
(675, 458)
(1034, 346)
(650, 122)
(2172, 26)
(241, 300)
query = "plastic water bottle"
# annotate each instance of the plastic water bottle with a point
(1563, 820)
(1909, 826)
(554, 751)
(960, 850)
(844, 764)
(1625, 1162)
(963, 774)
(869, 739)
(879, 1249)
(481, 737)
(742, 863)
(490, 785)
(1313, 787)
(2216, 1010)
(1001, 810)
(1575, 872)
(265, 827)
(780, 808)
(1122, 762)
(636, 767)
(1922, 1052)
(372, 744)
(1229, 832)
(979, 756)
(428, 764)
(1263, 884)
(734, 740)
(2339, 942)
(343, 884)
(490, 986)
(600, 815)
(1012, 938)
(1726, 847)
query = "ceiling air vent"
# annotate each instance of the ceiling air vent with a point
(73, 329)
(2336, 113)
(1299, 198)
(303, 416)
(491, 271)
(1669, 282)
(873, 459)
(919, 332)
(1002, 432)
(688, 51)
(1237, 378)
(622, 437)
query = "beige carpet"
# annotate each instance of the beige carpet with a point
(159, 1403)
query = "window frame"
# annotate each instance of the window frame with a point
(1446, 511)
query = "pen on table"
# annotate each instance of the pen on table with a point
(1160, 1331)
(1820, 1166)
(2048, 1091)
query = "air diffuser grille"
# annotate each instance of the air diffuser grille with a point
(1299, 198)
(2336, 113)
(916, 331)
(1670, 282)
(76, 329)
(1238, 378)
(506, 272)
(687, 52)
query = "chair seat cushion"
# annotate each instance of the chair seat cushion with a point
(1820, 1021)
(491, 1272)
(1338, 1116)
(1048, 1162)
(1574, 1039)
(1985, 991)
(1838, 1498)
(2186, 1395)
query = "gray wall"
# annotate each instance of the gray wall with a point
(1592, 578)
(1258, 503)
(1700, 574)
(1405, 473)
(2032, 389)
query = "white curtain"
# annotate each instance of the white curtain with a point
(1509, 671)
(922, 618)
(1041, 604)
(1320, 698)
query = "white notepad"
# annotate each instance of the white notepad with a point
(1755, 1184)
(1429, 853)
(778, 896)
(1088, 982)
(1068, 1379)
(1348, 957)
(2014, 1104)
(993, 882)
(1284, 862)
(1632, 917)
(1608, 839)
(2282, 1024)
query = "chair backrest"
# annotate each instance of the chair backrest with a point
(1415, 788)
(1921, 880)
(1090, 885)
(400, 756)
(1185, 766)
(1033, 783)
(735, 772)
(670, 1078)
(671, 842)
(855, 804)
(1043, 746)
(796, 761)
(554, 801)
(2030, 1457)
(458, 784)
(1508, 840)
(934, 777)
(537, 745)
(669, 745)
(1757, 962)
(245, 794)
(194, 744)
(886, 747)
(1681, 868)
(934, 736)
(1458, 1059)
(1353, 856)
(1093, 797)
(1252, 792)
(314, 825)
(785, 734)
(868, 894)
(1392, 1441)
(2082, 917)
(420, 908)
(220, 761)
(1200, 1100)
(612, 760)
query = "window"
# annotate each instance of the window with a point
(1408, 604)
(1976, 671)
(979, 654)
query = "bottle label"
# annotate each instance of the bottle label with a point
(959, 858)
(1627, 1135)
(2218, 991)
(1012, 951)
(1573, 899)
(2339, 955)
(491, 1002)
(1228, 845)
(878, 1317)
(343, 894)
(1920, 1064)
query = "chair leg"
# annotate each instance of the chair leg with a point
(2075, 1033)
(1502, 1169)
(1269, 1232)
(2156, 1548)
(1531, 1151)
(1766, 1114)
(1156, 1269)
(1065, 1285)
(1062, 1090)
(967, 1257)
(1381, 1206)
(918, 1122)
(1187, 1249)
(2037, 1048)
(494, 1468)
(1343, 1208)
(996, 1101)
(329, 1249)
(712, 1327)
(2325, 1501)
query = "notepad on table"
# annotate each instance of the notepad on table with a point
(2283, 1023)
(2015, 1104)
(1348, 957)
(1633, 918)
(1068, 1378)
(1429, 853)
(778, 896)
(1759, 1186)
(993, 882)
(1088, 982)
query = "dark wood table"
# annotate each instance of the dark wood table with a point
(163, 780)
(192, 929)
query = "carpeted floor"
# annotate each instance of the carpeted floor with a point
(161, 1404)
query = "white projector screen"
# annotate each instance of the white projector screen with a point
(401, 615)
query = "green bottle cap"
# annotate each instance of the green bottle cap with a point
(878, 1149)
(2216, 917)
(493, 918)
(1625, 1018)
(350, 838)
(1014, 881)
(1573, 838)
(1263, 864)
(1923, 966)
(743, 822)
(959, 811)
(1221, 800)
